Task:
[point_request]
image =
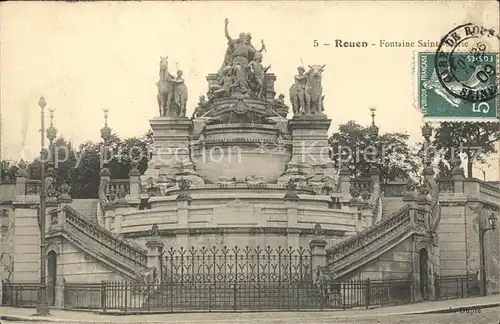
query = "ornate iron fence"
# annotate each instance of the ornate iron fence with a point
(249, 278)
(449, 287)
(20, 294)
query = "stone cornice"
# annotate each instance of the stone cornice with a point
(284, 231)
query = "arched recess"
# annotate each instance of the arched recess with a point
(423, 263)
(52, 253)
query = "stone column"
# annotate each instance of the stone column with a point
(135, 190)
(458, 177)
(63, 201)
(318, 251)
(21, 179)
(183, 201)
(354, 207)
(109, 218)
(51, 206)
(345, 183)
(270, 79)
(366, 211)
(293, 232)
(155, 251)
(121, 207)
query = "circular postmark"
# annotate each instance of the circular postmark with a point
(469, 72)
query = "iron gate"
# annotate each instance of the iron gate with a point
(234, 279)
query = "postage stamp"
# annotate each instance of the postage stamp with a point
(457, 84)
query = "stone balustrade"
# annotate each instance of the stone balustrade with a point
(119, 185)
(130, 251)
(33, 187)
(369, 235)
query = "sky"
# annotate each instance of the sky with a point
(86, 57)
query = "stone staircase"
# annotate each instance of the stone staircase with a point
(117, 253)
(87, 208)
(351, 254)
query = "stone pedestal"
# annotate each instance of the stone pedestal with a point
(171, 154)
(269, 83)
(121, 207)
(345, 184)
(21, 180)
(155, 251)
(63, 201)
(171, 140)
(310, 149)
(318, 254)
(310, 139)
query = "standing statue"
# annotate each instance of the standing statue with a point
(306, 92)
(297, 92)
(238, 55)
(257, 73)
(172, 92)
(180, 95)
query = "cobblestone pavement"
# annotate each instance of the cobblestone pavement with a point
(483, 316)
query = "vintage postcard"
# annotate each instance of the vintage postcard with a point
(250, 161)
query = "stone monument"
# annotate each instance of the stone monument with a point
(239, 146)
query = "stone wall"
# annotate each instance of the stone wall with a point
(76, 266)
(6, 242)
(453, 240)
(27, 244)
(396, 263)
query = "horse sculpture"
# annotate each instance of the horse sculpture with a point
(172, 95)
(308, 99)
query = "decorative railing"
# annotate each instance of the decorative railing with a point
(33, 187)
(117, 185)
(369, 235)
(361, 184)
(448, 287)
(230, 293)
(131, 252)
(20, 294)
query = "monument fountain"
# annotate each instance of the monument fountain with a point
(238, 172)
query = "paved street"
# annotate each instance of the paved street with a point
(485, 316)
(410, 313)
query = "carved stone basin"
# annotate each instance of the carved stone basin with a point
(239, 150)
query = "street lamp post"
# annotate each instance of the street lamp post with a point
(492, 220)
(43, 306)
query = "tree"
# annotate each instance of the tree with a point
(474, 140)
(80, 167)
(9, 170)
(361, 147)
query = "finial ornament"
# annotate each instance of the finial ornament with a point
(373, 109)
(154, 231)
(318, 231)
(105, 131)
(51, 130)
(42, 103)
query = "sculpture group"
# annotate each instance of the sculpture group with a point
(241, 74)
(172, 92)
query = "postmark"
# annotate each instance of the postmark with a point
(460, 83)
(473, 78)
